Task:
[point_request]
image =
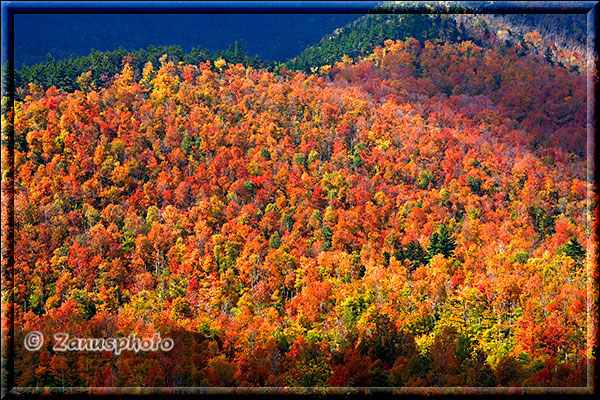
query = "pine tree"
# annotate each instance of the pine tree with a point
(413, 252)
(574, 250)
(275, 241)
(327, 234)
(186, 144)
(441, 242)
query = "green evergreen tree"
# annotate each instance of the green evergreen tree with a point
(186, 144)
(414, 252)
(327, 234)
(266, 154)
(288, 221)
(474, 184)
(275, 241)
(574, 250)
(441, 242)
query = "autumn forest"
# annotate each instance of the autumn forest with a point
(417, 215)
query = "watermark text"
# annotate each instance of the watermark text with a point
(34, 341)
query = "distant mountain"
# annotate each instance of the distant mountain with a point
(271, 36)
(559, 37)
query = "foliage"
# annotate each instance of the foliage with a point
(103, 66)
(275, 225)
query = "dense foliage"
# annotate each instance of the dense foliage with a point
(355, 40)
(562, 44)
(414, 218)
(63, 74)
(359, 38)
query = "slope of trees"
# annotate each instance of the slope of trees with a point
(63, 74)
(416, 218)
(559, 38)
(362, 36)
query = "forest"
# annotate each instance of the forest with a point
(63, 74)
(564, 44)
(417, 213)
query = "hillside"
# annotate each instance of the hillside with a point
(560, 38)
(360, 37)
(413, 218)
(63, 74)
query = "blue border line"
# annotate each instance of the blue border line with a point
(308, 7)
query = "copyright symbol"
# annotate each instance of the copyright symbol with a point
(33, 341)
